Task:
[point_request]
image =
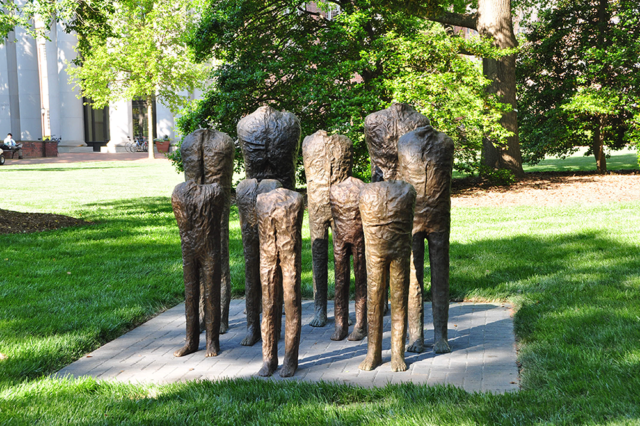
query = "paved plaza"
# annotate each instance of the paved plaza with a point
(483, 356)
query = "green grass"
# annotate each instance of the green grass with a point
(573, 274)
(625, 159)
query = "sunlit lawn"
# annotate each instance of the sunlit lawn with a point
(573, 274)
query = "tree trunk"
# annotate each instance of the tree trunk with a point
(494, 21)
(598, 150)
(598, 137)
(150, 127)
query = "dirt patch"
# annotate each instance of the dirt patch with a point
(549, 189)
(17, 223)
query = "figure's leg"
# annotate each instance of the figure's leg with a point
(343, 281)
(320, 256)
(191, 272)
(416, 291)
(270, 298)
(439, 262)
(279, 304)
(376, 284)
(360, 272)
(253, 291)
(211, 281)
(225, 278)
(291, 272)
(399, 286)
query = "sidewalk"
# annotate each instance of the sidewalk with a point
(480, 334)
(86, 157)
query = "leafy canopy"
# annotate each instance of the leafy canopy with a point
(333, 73)
(579, 72)
(137, 49)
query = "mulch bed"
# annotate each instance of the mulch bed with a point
(543, 189)
(18, 223)
(549, 189)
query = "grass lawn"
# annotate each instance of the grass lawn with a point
(625, 159)
(573, 274)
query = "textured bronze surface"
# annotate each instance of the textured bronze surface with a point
(198, 209)
(348, 239)
(280, 214)
(270, 141)
(382, 130)
(207, 155)
(386, 209)
(327, 161)
(426, 161)
(246, 196)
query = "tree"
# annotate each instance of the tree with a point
(579, 79)
(138, 51)
(332, 73)
(493, 21)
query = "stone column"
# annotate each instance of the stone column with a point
(12, 78)
(120, 126)
(164, 121)
(5, 95)
(71, 110)
(51, 51)
(28, 87)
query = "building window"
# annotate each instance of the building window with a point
(140, 118)
(96, 123)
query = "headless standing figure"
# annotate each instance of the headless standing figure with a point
(246, 196)
(387, 220)
(270, 141)
(198, 209)
(280, 214)
(207, 156)
(426, 161)
(327, 161)
(382, 129)
(348, 239)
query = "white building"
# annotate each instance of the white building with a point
(37, 99)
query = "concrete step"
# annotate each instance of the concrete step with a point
(75, 149)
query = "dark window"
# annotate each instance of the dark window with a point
(96, 123)
(139, 116)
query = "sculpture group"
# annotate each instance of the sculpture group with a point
(381, 225)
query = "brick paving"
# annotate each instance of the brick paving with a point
(483, 356)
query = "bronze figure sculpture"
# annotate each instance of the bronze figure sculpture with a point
(426, 162)
(198, 209)
(270, 141)
(327, 161)
(386, 209)
(348, 239)
(382, 130)
(280, 214)
(247, 193)
(207, 155)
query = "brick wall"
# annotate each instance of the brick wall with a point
(31, 149)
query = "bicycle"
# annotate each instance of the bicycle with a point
(139, 145)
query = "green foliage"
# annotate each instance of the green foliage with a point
(502, 177)
(333, 73)
(577, 74)
(137, 49)
(22, 13)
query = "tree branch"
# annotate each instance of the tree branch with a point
(467, 20)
